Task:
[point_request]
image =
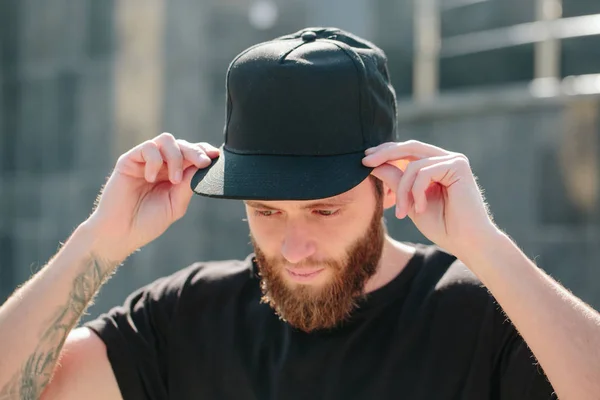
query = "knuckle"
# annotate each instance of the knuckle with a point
(149, 145)
(462, 159)
(122, 159)
(179, 215)
(164, 139)
(151, 153)
(412, 142)
(166, 135)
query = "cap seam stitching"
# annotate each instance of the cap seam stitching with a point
(287, 53)
(360, 94)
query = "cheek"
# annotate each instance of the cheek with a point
(343, 234)
(267, 234)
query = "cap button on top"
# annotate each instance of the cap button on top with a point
(309, 36)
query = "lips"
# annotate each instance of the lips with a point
(304, 274)
(304, 271)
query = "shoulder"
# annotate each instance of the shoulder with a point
(446, 280)
(207, 275)
(198, 279)
(185, 288)
(445, 270)
(446, 294)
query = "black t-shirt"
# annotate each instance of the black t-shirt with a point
(433, 332)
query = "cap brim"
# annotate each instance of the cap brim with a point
(270, 177)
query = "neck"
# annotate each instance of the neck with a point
(394, 258)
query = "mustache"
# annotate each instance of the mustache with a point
(308, 263)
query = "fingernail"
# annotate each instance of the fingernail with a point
(178, 176)
(399, 215)
(369, 150)
(204, 157)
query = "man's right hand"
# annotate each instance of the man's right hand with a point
(148, 190)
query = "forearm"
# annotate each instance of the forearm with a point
(36, 319)
(561, 330)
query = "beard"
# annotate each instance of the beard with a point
(311, 308)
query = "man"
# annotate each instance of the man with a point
(328, 306)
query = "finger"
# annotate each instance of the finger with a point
(386, 156)
(403, 192)
(391, 176)
(194, 154)
(150, 156)
(169, 148)
(182, 194)
(377, 148)
(388, 174)
(209, 149)
(401, 150)
(134, 162)
(443, 173)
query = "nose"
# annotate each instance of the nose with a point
(297, 245)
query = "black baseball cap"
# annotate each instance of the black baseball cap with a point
(301, 111)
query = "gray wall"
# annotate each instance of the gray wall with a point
(56, 61)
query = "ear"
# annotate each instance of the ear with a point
(389, 197)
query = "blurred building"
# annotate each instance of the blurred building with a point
(510, 83)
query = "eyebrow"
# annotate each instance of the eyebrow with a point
(320, 204)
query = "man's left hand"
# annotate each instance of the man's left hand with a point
(436, 189)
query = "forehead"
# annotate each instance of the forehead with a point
(354, 195)
(330, 201)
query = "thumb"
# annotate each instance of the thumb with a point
(181, 194)
(389, 175)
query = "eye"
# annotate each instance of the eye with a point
(265, 213)
(326, 213)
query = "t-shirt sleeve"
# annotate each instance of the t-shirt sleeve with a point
(521, 376)
(136, 338)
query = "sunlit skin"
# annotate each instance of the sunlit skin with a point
(300, 233)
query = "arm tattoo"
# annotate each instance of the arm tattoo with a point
(36, 372)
